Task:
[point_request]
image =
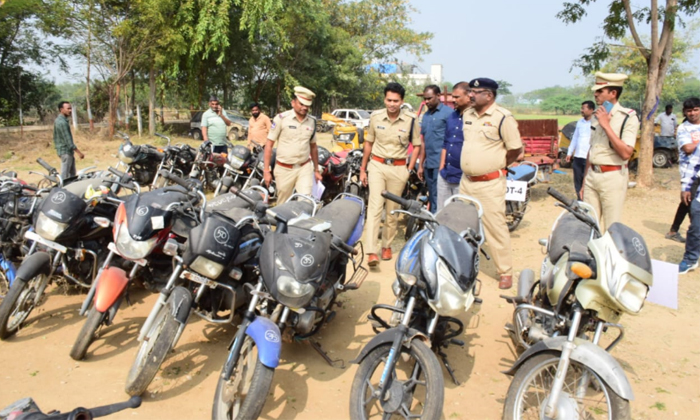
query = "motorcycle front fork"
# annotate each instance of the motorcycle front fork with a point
(162, 299)
(388, 372)
(563, 367)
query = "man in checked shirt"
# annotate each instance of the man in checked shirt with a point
(688, 139)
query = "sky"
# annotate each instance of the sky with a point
(519, 41)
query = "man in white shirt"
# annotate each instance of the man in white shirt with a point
(580, 143)
(668, 122)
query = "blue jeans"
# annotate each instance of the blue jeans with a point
(692, 240)
(431, 176)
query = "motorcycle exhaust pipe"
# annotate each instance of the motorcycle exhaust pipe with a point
(525, 282)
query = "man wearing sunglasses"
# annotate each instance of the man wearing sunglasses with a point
(491, 143)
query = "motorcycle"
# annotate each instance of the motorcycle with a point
(399, 372)
(302, 270)
(208, 165)
(515, 210)
(70, 235)
(334, 169)
(177, 160)
(216, 264)
(27, 409)
(352, 182)
(142, 224)
(240, 166)
(587, 281)
(256, 176)
(416, 189)
(142, 162)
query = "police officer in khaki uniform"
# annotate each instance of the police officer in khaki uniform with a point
(491, 143)
(613, 136)
(386, 149)
(297, 154)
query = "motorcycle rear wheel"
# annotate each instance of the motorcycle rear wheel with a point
(88, 333)
(18, 304)
(152, 352)
(532, 384)
(418, 383)
(243, 396)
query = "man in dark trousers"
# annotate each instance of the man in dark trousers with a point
(580, 143)
(63, 141)
(433, 128)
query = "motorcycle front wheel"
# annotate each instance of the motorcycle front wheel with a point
(584, 394)
(417, 390)
(88, 333)
(18, 304)
(243, 395)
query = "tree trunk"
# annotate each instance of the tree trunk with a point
(152, 102)
(112, 111)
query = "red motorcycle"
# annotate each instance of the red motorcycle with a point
(334, 169)
(208, 166)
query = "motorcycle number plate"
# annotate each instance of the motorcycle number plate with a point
(516, 190)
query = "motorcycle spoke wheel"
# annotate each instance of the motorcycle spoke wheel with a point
(417, 388)
(584, 394)
(4, 284)
(243, 395)
(18, 304)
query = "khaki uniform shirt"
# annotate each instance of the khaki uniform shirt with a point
(391, 138)
(293, 137)
(601, 153)
(258, 129)
(484, 149)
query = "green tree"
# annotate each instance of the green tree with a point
(562, 104)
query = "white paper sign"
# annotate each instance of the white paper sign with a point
(665, 289)
(516, 190)
(317, 189)
(157, 222)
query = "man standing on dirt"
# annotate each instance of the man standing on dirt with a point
(689, 166)
(491, 143)
(258, 127)
(214, 123)
(668, 122)
(613, 136)
(296, 163)
(433, 132)
(63, 141)
(580, 143)
(450, 170)
(390, 132)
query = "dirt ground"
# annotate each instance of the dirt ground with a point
(660, 352)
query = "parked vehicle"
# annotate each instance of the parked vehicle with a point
(302, 271)
(416, 189)
(27, 409)
(240, 166)
(70, 236)
(141, 161)
(399, 372)
(238, 130)
(357, 117)
(178, 161)
(587, 281)
(352, 182)
(334, 169)
(515, 209)
(540, 145)
(257, 172)
(218, 261)
(208, 166)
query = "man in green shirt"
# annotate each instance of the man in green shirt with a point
(63, 141)
(214, 123)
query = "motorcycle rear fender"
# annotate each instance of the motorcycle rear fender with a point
(586, 353)
(267, 338)
(180, 301)
(112, 283)
(33, 265)
(388, 336)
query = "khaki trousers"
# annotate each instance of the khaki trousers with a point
(606, 193)
(492, 195)
(383, 177)
(289, 179)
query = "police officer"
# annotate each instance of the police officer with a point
(491, 143)
(613, 136)
(296, 163)
(390, 132)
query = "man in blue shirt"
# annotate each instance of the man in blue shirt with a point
(450, 169)
(580, 143)
(433, 132)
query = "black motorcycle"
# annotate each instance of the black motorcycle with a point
(217, 261)
(352, 182)
(142, 162)
(302, 271)
(240, 166)
(257, 174)
(70, 236)
(416, 189)
(27, 409)
(177, 160)
(399, 372)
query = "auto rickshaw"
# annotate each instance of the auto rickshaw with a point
(346, 136)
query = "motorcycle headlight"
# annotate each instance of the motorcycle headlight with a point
(261, 165)
(631, 293)
(130, 248)
(293, 293)
(47, 228)
(449, 300)
(206, 267)
(236, 162)
(345, 137)
(124, 158)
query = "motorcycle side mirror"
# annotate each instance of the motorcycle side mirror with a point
(544, 242)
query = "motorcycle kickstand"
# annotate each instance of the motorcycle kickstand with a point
(445, 362)
(338, 363)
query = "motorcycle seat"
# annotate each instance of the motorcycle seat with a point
(458, 216)
(343, 215)
(522, 173)
(569, 232)
(292, 209)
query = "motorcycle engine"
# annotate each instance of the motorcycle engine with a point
(307, 320)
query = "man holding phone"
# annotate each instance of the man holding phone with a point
(214, 123)
(613, 136)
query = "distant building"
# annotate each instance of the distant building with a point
(411, 72)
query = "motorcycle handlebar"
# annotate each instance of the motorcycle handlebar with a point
(176, 179)
(123, 135)
(235, 191)
(45, 164)
(116, 172)
(133, 402)
(405, 204)
(560, 197)
(337, 242)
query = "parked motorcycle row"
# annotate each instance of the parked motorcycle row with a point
(276, 273)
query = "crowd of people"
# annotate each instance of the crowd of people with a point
(464, 150)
